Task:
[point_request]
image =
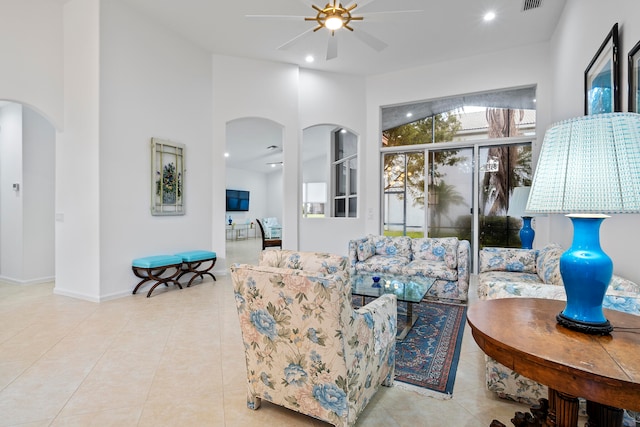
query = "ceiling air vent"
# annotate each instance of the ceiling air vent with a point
(531, 4)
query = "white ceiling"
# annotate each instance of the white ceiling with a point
(444, 30)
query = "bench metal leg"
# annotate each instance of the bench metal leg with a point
(156, 273)
(193, 267)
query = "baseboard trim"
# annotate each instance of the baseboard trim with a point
(37, 281)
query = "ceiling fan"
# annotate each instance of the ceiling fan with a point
(335, 17)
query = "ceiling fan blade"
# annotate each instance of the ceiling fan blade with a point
(332, 47)
(384, 16)
(294, 40)
(276, 17)
(371, 41)
(361, 3)
(307, 2)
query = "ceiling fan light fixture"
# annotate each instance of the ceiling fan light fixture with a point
(334, 22)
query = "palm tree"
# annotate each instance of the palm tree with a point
(509, 172)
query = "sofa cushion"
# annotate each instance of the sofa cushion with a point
(443, 249)
(320, 262)
(383, 264)
(548, 265)
(392, 246)
(503, 284)
(513, 260)
(428, 268)
(365, 250)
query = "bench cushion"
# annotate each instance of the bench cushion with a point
(156, 261)
(193, 256)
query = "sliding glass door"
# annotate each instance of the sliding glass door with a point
(404, 212)
(446, 192)
(502, 168)
(450, 193)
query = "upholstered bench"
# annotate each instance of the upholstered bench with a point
(161, 268)
(192, 262)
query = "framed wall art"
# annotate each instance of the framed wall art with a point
(634, 78)
(601, 78)
(167, 177)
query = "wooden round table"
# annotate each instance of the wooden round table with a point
(523, 335)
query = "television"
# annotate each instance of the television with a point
(237, 201)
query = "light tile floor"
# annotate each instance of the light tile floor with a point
(176, 359)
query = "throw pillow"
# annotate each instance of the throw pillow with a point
(393, 246)
(513, 260)
(549, 266)
(436, 249)
(365, 250)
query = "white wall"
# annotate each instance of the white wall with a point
(38, 192)
(77, 156)
(582, 28)
(254, 182)
(31, 64)
(152, 84)
(275, 198)
(27, 155)
(11, 202)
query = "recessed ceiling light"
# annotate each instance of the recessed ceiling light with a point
(409, 114)
(226, 154)
(309, 58)
(489, 16)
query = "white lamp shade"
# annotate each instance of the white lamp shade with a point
(589, 164)
(518, 202)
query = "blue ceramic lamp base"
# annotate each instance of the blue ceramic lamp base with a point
(586, 272)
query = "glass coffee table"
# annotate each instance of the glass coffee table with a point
(409, 289)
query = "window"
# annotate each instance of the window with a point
(345, 173)
(450, 166)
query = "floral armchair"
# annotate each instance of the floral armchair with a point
(306, 348)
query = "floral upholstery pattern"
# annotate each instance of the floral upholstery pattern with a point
(622, 295)
(441, 249)
(516, 260)
(392, 246)
(427, 257)
(306, 348)
(324, 263)
(548, 264)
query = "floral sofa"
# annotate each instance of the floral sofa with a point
(445, 259)
(305, 347)
(531, 273)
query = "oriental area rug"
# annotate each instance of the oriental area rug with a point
(427, 358)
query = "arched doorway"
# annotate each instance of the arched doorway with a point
(254, 163)
(27, 195)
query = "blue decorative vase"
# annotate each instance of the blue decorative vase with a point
(586, 272)
(527, 234)
(230, 220)
(376, 282)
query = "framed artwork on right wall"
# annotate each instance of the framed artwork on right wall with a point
(601, 78)
(634, 78)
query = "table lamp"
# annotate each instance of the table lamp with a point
(588, 167)
(517, 205)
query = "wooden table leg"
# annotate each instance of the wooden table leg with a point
(603, 416)
(563, 409)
